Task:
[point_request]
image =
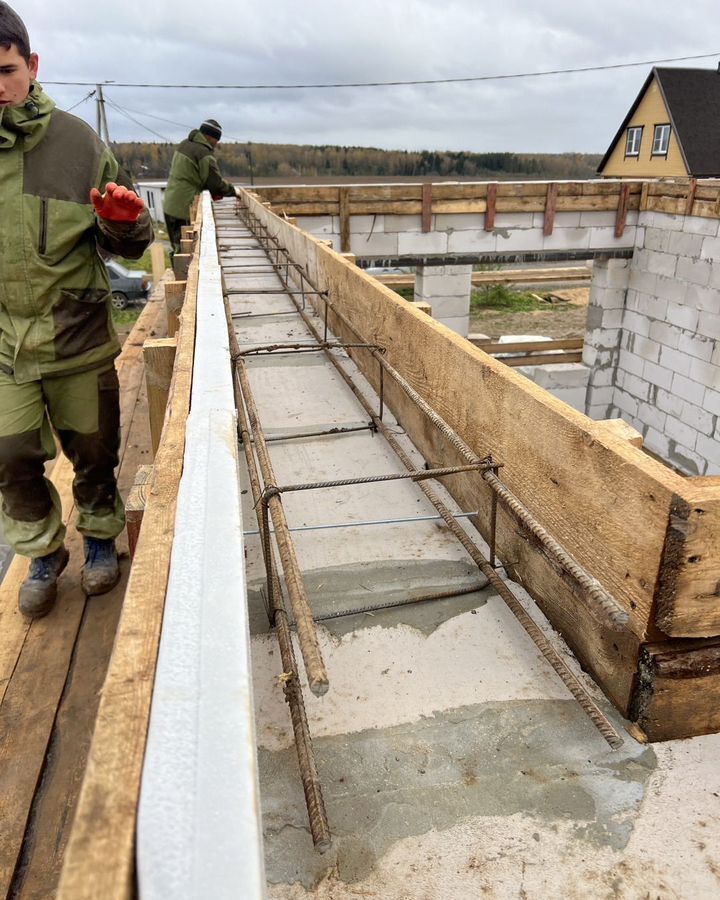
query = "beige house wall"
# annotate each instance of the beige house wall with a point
(650, 112)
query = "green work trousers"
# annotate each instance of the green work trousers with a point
(84, 411)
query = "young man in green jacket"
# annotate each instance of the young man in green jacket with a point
(62, 195)
(193, 169)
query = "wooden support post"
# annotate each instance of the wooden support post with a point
(644, 190)
(135, 506)
(690, 199)
(427, 190)
(187, 233)
(181, 265)
(550, 204)
(344, 202)
(159, 356)
(622, 209)
(423, 306)
(157, 255)
(491, 204)
(186, 245)
(174, 299)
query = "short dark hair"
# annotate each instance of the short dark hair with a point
(13, 31)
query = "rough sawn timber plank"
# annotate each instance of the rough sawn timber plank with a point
(100, 861)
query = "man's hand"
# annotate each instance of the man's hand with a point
(117, 204)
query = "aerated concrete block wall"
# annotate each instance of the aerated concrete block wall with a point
(653, 340)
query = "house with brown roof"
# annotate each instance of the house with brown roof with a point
(671, 130)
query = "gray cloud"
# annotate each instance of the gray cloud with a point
(281, 42)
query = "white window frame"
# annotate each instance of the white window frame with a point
(661, 140)
(633, 132)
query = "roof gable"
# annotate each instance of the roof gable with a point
(692, 99)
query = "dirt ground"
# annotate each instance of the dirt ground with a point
(560, 320)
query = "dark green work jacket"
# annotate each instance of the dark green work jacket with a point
(55, 311)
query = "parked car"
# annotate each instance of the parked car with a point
(127, 286)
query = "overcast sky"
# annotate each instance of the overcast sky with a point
(311, 41)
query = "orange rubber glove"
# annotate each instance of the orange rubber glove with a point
(117, 204)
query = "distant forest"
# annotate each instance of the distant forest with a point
(241, 161)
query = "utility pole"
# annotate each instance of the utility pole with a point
(252, 174)
(102, 125)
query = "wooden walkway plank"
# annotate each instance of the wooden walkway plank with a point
(56, 798)
(36, 658)
(99, 860)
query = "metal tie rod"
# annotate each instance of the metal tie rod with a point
(400, 521)
(272, 490)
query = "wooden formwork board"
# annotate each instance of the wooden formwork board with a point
(599, 495)
(679, 197)
(100, 861)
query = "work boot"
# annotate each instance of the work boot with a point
(101, 571)
(39, 590)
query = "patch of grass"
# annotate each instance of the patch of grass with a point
(501, 297)
(145, 262)
(407, 293)
(124, 316)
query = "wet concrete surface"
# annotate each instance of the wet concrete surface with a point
(497, 759)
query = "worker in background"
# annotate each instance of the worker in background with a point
(61, 195)
(193, 169)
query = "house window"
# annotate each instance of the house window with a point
(151, 200)
(661, 139)
(634, 137)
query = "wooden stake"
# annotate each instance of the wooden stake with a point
(622, 209)
(159, 356)
(181, 265)
(427, 191)
(186, 245)
(174, 298)
(692, 187)
(644, 190)
(157, 255)
(344, 201)
(550, 204)
(135, 506)
(491, 203)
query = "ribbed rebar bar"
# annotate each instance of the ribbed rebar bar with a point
(312, 787)
(307, 636)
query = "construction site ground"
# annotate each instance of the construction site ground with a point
(560, 320)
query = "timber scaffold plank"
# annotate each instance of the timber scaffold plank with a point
(100, 857)
(51, 670)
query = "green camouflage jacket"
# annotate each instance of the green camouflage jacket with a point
(193, 170)
(55, 311)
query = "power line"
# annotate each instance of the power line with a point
(75, 105)
(358, 84)
(148, 115)
(132, 119)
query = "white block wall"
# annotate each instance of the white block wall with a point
(664, 372)
(447, 290)
(385, 237)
